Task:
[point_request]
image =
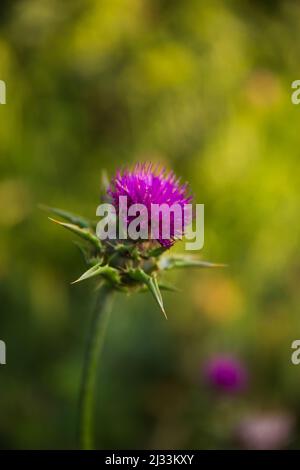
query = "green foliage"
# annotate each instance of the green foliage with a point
(203, 88)
(123, 257)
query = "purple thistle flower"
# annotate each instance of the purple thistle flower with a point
(225, 374)
(147, 184)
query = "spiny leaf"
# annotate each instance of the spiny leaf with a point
(112, 275)
(69, 216)
(106, 271)
(93, 271)
(151, 282)
(81, 232)
(162, 286)
(171, 262)
(152, 285)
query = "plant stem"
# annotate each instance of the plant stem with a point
(94, 347)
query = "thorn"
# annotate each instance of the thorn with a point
(164, 312)
(56, 221)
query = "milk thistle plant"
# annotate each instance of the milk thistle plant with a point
(127, 264)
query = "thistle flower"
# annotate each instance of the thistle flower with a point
(148, 185)
(265, 431)
(126, 265)
(225, 374)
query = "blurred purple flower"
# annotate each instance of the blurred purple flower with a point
(225, 374)
(265, 431)
(146, 184)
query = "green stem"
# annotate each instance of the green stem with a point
(95, 342)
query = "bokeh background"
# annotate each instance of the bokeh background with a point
(205, 89)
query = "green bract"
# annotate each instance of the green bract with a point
(124, 265)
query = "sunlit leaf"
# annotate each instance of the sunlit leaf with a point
(69, 216)
(106, 271)
(172, 262)
(84, 233)
(162, 286)
(152, 284)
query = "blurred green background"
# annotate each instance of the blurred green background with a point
(204, 88)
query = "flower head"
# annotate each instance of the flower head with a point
(225, 374)
(121, 263)
(148, 185)
(265, 431)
